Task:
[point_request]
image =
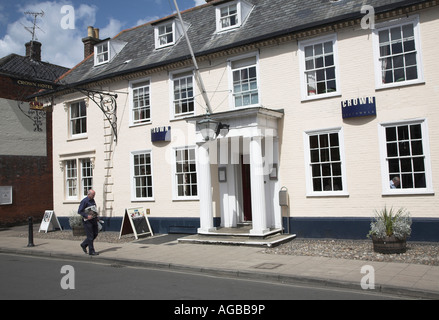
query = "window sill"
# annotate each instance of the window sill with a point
(79, 137)
(321, 96)
(325, 194)
(399, 85)
(133, 125)
(71, 201)
(411, 192)
(186, 199)
(143, 200)
(183, 117)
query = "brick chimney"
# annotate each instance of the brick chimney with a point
(33, 50)
(90, 41)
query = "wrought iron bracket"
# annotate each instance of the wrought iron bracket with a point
(107, 103)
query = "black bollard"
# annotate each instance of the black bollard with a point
(31, 233)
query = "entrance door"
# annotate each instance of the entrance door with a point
(246, 191)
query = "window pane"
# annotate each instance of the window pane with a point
(403, 132)
(324, 143)
(326, 168)
(415, 131)
(407, 181)
(319, 64)
(392, 150)
(399, 44)
(383, 36)
(317, 184)
(142, 175)
(418, 164)
(394, 166)
(420, 180)
(186, 175)
(245, 83)
(405, 155)
(336, 169)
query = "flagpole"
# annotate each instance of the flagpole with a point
(197, 70)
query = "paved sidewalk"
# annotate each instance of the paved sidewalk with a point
(244, 262)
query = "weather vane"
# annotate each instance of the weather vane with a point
(32, 29)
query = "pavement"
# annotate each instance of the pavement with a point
(165, 252)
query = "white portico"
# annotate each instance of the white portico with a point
(245, 158)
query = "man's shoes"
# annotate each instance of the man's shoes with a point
(93, 253)
(84, 248)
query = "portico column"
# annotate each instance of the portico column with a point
(259, 219)
(205, 190)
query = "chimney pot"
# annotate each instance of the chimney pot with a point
(90, 32)
(90, 41)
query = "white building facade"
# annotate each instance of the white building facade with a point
(313, 102)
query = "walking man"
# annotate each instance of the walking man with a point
(90, 222)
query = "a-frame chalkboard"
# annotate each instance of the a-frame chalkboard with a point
(135, 221)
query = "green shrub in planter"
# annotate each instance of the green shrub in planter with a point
(390, 229)
(76, 223)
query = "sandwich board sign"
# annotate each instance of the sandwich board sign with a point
(49, 220)
(135, 221)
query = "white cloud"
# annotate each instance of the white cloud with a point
(146, 20)
(59, 45)
(199, 2)
(111, 30)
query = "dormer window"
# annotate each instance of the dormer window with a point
(106, 50)
(232, 15)
(102, 53)
(168, 33)
(229, 16)
(165, 35)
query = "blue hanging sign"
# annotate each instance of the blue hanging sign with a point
(161, 134)
(358, 107)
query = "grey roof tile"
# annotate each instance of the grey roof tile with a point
(268, 18)
(15, 65)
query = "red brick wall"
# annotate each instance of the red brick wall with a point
(31, 181)
(10, 90)
(31, 177)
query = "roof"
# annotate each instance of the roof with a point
(268, 19)
(17, 66)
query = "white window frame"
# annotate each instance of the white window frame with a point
(134, 197)
(78, 178)
(157, 34)
(131, 90)
(385, 175)
(302, 67)
(175, 184)
(376, 50)
(105, 54)
(232, 100)
(73, 177)
(243, 10)
(85, 186)
(308, 165)
(219, 18)
(79, 117)
(173, 76)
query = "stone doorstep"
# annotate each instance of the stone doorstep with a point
(240, 240)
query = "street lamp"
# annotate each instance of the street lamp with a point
(208, 128)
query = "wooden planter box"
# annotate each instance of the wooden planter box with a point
(389, 245)
(78, 231)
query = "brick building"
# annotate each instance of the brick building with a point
(25, 136)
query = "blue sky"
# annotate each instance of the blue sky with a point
(62, 43)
